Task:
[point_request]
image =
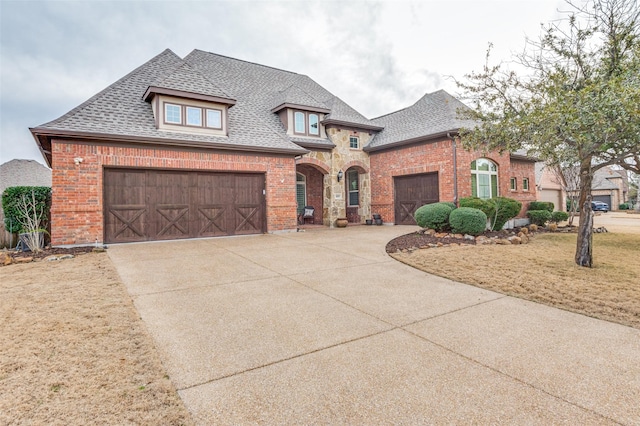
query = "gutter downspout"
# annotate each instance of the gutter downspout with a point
(455, 168)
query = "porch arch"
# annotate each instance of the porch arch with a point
(323, 168)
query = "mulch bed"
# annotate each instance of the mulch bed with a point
(419, 239)
(48, 251)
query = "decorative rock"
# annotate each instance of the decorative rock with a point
(439, 245)
(66, 256)
(514, 240)
(501, 241)
(524, 230)
(432, 245)
(23, 259)
(51, 258)
(441, 235)
(470, 237)
(5, 258)
(524, 239)
(430, 232)
(458, 236)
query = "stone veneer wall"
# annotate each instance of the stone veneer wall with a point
(77, 199)
(338, 159)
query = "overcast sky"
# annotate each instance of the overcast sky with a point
(378, 56)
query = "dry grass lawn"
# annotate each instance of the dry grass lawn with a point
(544, 271)
(73, 350)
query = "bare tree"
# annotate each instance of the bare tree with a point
(32, 215)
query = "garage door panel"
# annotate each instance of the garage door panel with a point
(144, 205)
(412, 192)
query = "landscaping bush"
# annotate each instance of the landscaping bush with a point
(487, 206)
(539, 217)
(435, 216)
(450, 204)
(14, 218)
(541, 205)
(557, 217)
(506, 208)
(467, 220)
(624, 206)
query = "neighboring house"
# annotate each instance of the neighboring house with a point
(550, 186)
(609, 185)
(20, 173)
(210, 145)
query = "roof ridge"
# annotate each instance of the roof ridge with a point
(241, 60)
(113, 85)
(192, 69)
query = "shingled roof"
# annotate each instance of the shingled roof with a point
(433, 115)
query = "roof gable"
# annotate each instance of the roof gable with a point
(432, 115)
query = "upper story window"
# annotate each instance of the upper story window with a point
(314, 126)
(173, 113)
(192, 116)
(214, 118)
(484, 178)
(306, 123)
(525, 184)
(354, 142)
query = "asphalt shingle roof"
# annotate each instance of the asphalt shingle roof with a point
(186, 79)
(297, 96)
(433, 114)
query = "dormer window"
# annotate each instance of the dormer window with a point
(306, 123)
(214, 118)
(173, 113)
(194, 116)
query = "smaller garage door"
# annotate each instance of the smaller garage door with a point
(412, 192)
(604, 199)
(146, 205)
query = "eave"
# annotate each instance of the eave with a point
(300, 107)
(419, 139)
(339, 123)
(43, 137)
(154, 90)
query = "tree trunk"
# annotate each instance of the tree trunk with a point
(585, 230)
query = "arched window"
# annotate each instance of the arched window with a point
(484, 178)
(301, 191)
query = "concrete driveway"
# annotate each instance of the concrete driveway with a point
(322, 327)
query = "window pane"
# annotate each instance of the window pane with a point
(494, 186)
(525, 184)
(313, 124)
(474, 185)
(484, 189)
(172, 113)
(354, 198)
(473, 165)
(514, 184)
(354, 142)
(299, 122)
(483, 165)
(301, 196)
(194, 116)
(214, 118)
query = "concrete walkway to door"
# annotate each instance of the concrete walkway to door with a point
(322, 327)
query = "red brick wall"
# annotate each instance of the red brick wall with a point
(438, 157)
(77, 209)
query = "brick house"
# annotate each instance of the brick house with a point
(210, 145)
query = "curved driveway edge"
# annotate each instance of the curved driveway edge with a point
(322, 327)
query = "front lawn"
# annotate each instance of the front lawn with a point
(544, 271)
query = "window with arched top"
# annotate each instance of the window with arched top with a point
(484, 178)
(301, 191)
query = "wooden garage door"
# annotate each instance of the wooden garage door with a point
(146, 205)
(412, 192)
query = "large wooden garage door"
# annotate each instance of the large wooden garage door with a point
(146, 205)
(412, 192)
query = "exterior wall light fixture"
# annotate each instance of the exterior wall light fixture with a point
(340, 174)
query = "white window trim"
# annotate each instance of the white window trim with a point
(489, 173)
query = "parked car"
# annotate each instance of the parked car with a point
(599, 206)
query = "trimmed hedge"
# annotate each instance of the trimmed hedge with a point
(539, 217)
(450, 204)
(507, 208)
(11, 196)
(541, 205)
(467, 220)
(487, 206)
(558, 216)
(435, 216)
(624, 206)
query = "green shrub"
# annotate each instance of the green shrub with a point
(487, 206)
(506, 208)
(541, 205)
(539, 217)
(450, 204)
(435, 216)
(557, 217)
(467, 220)
(11, 198)
(624, 206)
